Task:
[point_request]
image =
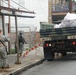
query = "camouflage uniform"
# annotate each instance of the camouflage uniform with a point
(3, 53)
(21, 48)
(21, 43)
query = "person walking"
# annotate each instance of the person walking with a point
(21, 41)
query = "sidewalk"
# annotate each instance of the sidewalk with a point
(33, 58)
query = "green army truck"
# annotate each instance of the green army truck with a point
(57, 40)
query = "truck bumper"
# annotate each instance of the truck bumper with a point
(49, 52)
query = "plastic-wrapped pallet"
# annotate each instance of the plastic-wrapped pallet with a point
(68, 21)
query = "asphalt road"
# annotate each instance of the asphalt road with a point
(60, 66)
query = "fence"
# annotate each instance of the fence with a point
(30, 36)
(63, 7)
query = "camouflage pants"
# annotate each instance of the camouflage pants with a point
(21, 48)
(3, 58)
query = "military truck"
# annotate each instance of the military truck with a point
(57, 40)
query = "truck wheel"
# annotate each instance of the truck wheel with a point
(51, 57)
(64, 53)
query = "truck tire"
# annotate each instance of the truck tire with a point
(52, 57)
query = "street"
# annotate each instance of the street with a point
(60, 66)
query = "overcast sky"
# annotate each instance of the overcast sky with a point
(40, 7)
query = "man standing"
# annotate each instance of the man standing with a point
(3, 52)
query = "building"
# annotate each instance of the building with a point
(60, 8)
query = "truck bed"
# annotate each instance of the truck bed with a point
(58, 33)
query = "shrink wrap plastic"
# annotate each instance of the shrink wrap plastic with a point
(68, 21)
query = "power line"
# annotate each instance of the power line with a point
(41, 7)
(7, 3)
(12, 6)
(19, 5)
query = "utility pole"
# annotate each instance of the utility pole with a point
(70, 6)
(18, 60)
(9, 27)
(49, 11)
(0, 2)
(9, 17)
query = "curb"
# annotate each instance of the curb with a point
(25, 68)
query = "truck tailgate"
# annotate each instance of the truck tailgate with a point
(58, 32)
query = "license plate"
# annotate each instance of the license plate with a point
(72, 37)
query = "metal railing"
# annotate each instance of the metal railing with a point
(62, 7)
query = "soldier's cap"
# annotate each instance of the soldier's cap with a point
(20, 32)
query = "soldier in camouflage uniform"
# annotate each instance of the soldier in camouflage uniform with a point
(21, 41)
(3, 53)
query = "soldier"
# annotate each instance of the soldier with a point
(3, 52)
(21, 41)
